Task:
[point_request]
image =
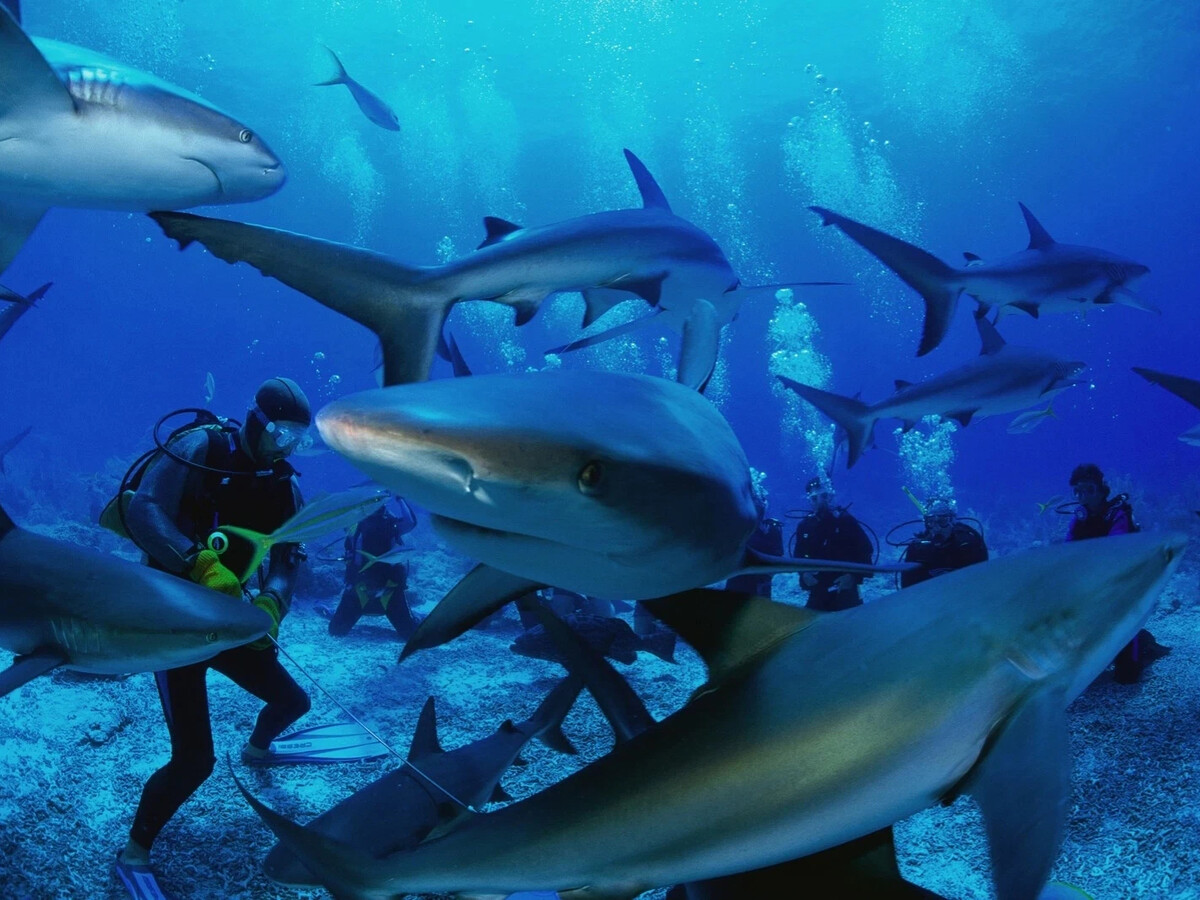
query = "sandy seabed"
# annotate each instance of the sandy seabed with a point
(75, 752)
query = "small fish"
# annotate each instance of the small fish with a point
(387, 559)
(329, 512)
(1054, 501)
(610, 636)
(371, 105)
(210, 388)
(1027, 421)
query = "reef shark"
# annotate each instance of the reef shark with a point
(1002, 379)
(815, 729)
(1186, 389)
(608, 484)
(1044, 277)
(64, 605)
(15, 309)
(608, 256)
(6, 446)
(78, 129)
(399, 810)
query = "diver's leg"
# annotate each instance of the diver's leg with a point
(258, 671)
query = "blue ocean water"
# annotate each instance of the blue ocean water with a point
(928, 120)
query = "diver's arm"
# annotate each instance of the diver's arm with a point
(155, 506)
(283, 566)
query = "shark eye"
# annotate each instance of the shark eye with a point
(245, 135)
(210, 638)
(590, 477)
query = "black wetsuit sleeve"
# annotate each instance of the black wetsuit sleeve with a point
(283, 566)
(154, 513)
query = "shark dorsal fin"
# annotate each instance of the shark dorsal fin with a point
(728, 628)
(26, 80)
(425, 741)
(990, 341)
(497, 230)
(1039, 238)
(901, 384)
(652, 195)
(972, 257)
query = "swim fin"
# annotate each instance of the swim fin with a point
(139, 881)
(334, 743)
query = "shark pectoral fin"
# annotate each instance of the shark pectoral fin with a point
(990, 340)
(699, 347)
(1026, 307)
(1126, 297)
(368, 287)
(546, 722)
(962, 417)
(425, 742)
(477, 595)
(26, 668)
(1021, 783)
(28, 85)
(602, 336)
(728, 628)
(17, 222)
(599, 300)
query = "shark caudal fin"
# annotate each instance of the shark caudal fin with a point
(375, 291)
(852, 415)
(933, 279)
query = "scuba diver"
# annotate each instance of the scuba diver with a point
(830, 532)
(375, 587)
(944, 544)
(1099, 514)
(208, 474)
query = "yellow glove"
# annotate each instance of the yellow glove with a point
(208, 571)
(268, 602)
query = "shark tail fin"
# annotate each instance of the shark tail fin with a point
(852, 415)
(933, 279)
(389, 298)
(340, 78)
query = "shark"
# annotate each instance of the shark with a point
(12, 313)
(1047, 276)
(1003, 378)
(815, 729)
(608, 484)
(609, 257)
(65, 605)
(1186, 389)
(399, 810)
(79, 129)
(6, 446)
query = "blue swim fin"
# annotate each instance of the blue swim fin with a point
(139, 881)
(334, 743)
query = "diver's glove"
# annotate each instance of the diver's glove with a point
(209, 571)
(270, 603)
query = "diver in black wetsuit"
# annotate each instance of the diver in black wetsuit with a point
(830, 532)
(208, 476)
(945, 543)
(376, 588)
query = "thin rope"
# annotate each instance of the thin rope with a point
(390, 749)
